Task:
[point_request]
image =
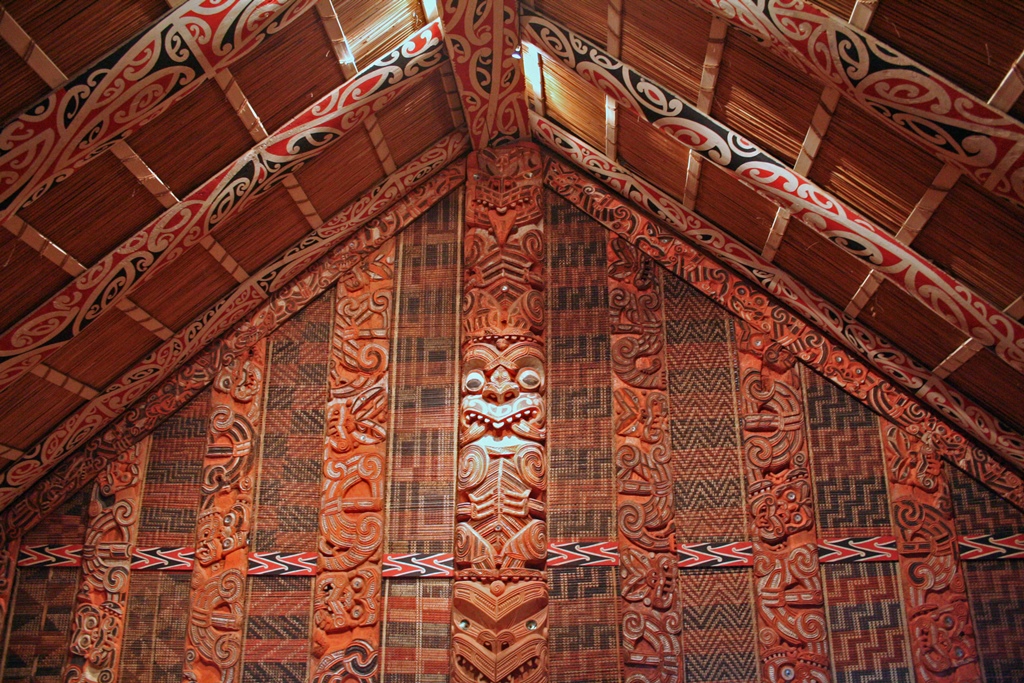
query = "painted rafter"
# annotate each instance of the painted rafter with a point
(481, 36)
(175, 353)
(981, 139)
(309, 134)
(945, 295)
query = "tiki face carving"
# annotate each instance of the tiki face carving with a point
(344, 600)
(499, 632)
(502, 391)
(221, 533)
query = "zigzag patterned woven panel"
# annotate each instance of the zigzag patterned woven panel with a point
(154, 639)
(277, 631)
(40, 624)
(719, 641)
(979, 511)
(583, 634)
(995, 591)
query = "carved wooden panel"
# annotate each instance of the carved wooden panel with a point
(788, 595)
(213, 643)
(500, 596)
(649, 610)
(349, 586)
(942, 644)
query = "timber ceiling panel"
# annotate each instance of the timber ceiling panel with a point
(909, 324)
(727, 202)
(289, 72)
(182, 290)
(840, 8)
(374, 28)
(573, 102)
(667, 41)
(341, 173)
(986, 378)
(416, 119)
(26, 279)
(764, 97)
(652, 154)
(92, 212)
(812, 259)
(265, 229)
(21, 86)
(104, 350)
(589, 17)
(215, 134)
(74, 33)
(971, 42)
(32, 406)
(868, 164)
(978, 238)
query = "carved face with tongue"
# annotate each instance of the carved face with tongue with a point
(502, 391)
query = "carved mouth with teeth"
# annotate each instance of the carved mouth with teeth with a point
(498, 424)
(524, 673)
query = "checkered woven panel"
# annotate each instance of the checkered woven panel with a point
(866, 622)
(277, 629)
(293, 437)
(421, 469)
(170, 496)
(995, 590)
(581, 474)
(706, 441)
(846, 456)
(719, 640)
(154, 639)
(979, 511)
(417, 632)
(40, 624)
(63, 526)
(583, 631)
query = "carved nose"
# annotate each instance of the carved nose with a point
(500, 393)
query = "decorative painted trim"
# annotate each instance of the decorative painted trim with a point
(128, 88)
(954, 125)
(71, 310)
(152, 409)
(148, 373)
(807, 343)
(583, 554)
(492, 90)
(419, 566)
(826, 214)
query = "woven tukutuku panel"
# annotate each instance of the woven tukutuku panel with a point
(719, 641)
(154, 639)
(996, 591)
(583, 633)
(417, 615)
(277, 629)
(40, 624)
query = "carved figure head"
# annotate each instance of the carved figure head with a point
(344, 600)
(221, 533)
(784, 664)
(943, 636)
(503, 386)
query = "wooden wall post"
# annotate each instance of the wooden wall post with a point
(213, 640)
(942, 645)
(348, 591)
(500, 596)
(788, 596)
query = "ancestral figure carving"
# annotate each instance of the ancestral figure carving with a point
(346, 628)
(789, 599)
(213, 645)
(648, 568)
(499, 603)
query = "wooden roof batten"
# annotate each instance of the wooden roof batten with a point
(848, 229)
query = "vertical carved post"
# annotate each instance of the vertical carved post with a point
(346, 609)
(500, 596)
(790, 603)
(942, 644)
(97, 627)
(10, 544)
(213, 640)
(649, 607)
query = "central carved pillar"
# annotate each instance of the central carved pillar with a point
(500, 597)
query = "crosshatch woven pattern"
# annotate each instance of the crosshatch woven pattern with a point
(719, 641)
(277, 629)
(417, 628)
(154, 639)
(581, 473)
(40, 624)
(583, 631)
(65, 525)
(866, 622)
(847, 462)
(995, 590)
(421, 469)
(293, 431)
(706, 440)
(170, 495)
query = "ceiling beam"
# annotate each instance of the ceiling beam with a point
(705, 98)
(175, 391)
(65, 382)
(78, 120)
(1011, 87)
(15, 36)
(829, 216)
(879, 352)
(482, 37)
(72, 309)
(177, 350)
(958, 127)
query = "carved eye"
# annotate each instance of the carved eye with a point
(528, 379)
(531, 625)
(357, 583)
(464, 624)
(474, 381)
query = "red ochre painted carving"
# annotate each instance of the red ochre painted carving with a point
(500, 596)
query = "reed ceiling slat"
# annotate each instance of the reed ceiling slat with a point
(176, 294)
(32, 406)
(573, 102)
